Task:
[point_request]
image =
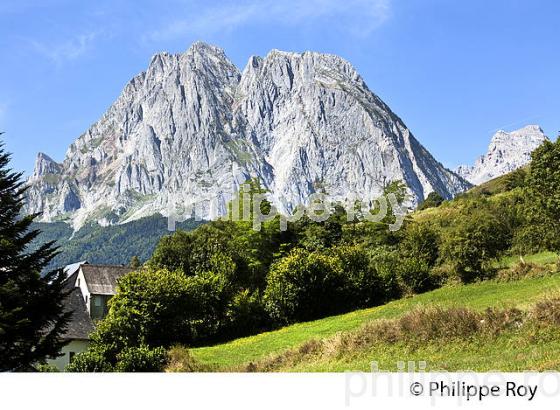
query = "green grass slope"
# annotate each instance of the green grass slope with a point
(527, 349)
(521, 294)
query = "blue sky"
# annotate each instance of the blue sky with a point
(454, 71)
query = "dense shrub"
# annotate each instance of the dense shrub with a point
(156, 308)
(308, 285)
(515, 179)
(477, 239)
(541, 230)
(220, 247)
(130, 359)
(532, 238)
(421, 242)
(205, 249)
(304, 286)
(159, 308)
(149, 308)
(385, 261)
(419, 252)
(141, 359)
(364, 284)
(315, 236)
(369, 234)
(91, 361)
(415, 275)
(209, 296)
(148, 311)
(544, 188)
(246, 314)
(162, 308)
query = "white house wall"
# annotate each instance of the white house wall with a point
(75, 346)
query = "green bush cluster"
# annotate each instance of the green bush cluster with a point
(304, 286)
(307, 285)
(131, 359)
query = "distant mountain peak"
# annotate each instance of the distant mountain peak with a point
(507, 152)
(192, 128)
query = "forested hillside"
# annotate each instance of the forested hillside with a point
(113, 245)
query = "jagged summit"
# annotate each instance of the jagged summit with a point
(192, 128)
(530, 133)
(507, 152)
(45, 165)
(201, 46)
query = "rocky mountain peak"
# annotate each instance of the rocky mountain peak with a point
(192, 128)
(204, 48)
(45, 165)
(507, 152)
(530, 134)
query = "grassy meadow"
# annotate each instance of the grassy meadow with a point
(511, 350)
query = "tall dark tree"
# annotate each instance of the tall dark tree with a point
(32, 317)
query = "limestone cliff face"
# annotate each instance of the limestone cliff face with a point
(192, 128)
(507, 152)
(315, 122)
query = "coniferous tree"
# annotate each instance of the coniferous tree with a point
(32, 316)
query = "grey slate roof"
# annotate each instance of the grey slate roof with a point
(102, 279)
(73, 268)
(80, 325)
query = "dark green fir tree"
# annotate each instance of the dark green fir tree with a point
(32, 317)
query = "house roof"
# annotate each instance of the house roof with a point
(102, 279)
(80, 325)
(69, 270)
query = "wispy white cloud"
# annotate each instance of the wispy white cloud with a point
(358, 17)
(68, 49)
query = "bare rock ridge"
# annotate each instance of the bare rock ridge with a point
(192, 128)
(507, 152)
